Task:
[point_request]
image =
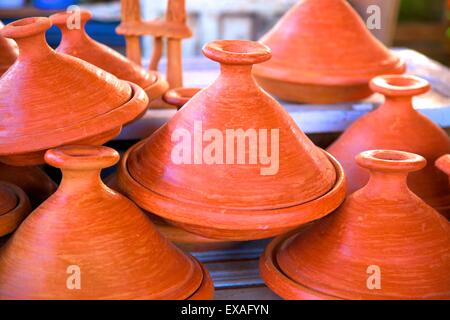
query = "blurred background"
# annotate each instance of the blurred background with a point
(423, 25)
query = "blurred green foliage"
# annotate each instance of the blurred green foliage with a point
(422, 10)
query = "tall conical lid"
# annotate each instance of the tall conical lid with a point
(325, 42)
(76, 42)
(89, 242)
(8, 52)
(383, 243)
(48, 99)
(195, 157)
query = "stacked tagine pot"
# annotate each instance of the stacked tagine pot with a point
(8, 52)
(14, 207)
(232, 164)
(384, 242)
(397, 125)
(443, 163)
(76, 42)
(323, 53)
(48, 99)
(89, 242)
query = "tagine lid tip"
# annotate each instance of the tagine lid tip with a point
(237, 52)
(399, 85)
(26, 27)
(391, 160)
(61, 18)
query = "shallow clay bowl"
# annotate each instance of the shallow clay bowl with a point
(10, 220)
(179, 96)
(231, 224)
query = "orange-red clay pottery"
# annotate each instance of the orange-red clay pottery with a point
(195, 173)
(33, 180)
(90, 242)
(48, 99)
(397, 125)
(178, 97)
(443, 163)
(8, 52)
(384, 242)
(76, 42)
(14, 207)
(323, 53)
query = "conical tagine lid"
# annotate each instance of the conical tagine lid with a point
(89, 242)
(397, 125)
(48, 99)
(197, 158)
(383, 243)
(76, 42)
(8, 52)
(324, 42)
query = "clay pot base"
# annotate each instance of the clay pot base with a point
(195, 218)
(278, 281)
(10, 220)
(71, 135)
(316, 94)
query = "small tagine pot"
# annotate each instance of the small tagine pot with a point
(76, 42)
(113, 247)
(49, 99)
(14, 207)
(397, 125)
(230, 199)
(384, 242)
(8, 52)
(33, 180)
(178, 97)
(323, 53)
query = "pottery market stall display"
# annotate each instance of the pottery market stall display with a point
(90, 229)
(14, 207)
(397, 125)
(48, 99)
(323, 53)
(383, 243)
(76, 42)
(8, 52)
(33, 180)
(178, 97)
(234, 197)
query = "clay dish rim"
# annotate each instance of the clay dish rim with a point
(15, 216)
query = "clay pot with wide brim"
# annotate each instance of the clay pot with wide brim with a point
(14, 207)
(323, 53)
(384, 242)
(178, 97)
(37, 185)
(76, 42)
(241, 199)
(8, 52)
(397, 125)
(90, 242)
(49, 99)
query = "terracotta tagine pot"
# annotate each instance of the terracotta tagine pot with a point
(89, 242)
(178, 97)
(33, 180)
(396, 125)
(227, 195)
(76, 42)
(48, 99)
(323, 53)
(8, 52)
(14, 207)
(384, 242)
